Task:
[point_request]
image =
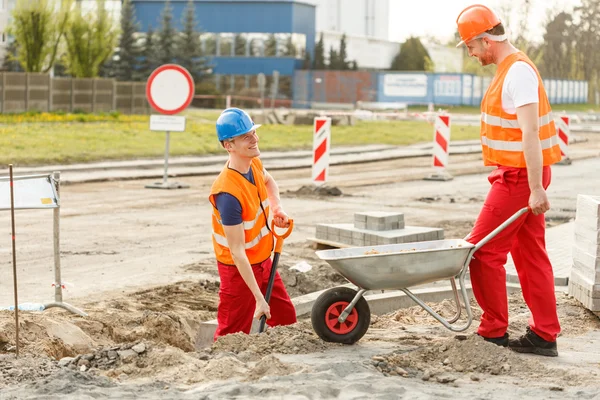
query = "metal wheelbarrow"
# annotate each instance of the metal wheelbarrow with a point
(342, 315)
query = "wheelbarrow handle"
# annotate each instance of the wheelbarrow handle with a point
(278, 248)
(500, 228)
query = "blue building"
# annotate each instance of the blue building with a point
(245, 37)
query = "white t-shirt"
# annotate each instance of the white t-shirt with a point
(520, 87)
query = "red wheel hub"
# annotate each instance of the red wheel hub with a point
(332, 315)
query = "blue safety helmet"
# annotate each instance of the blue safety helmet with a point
(234, 122)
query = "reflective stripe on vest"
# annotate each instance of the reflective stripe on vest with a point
(222, 240)
(516, 146)
(512, 123)
(248, 224)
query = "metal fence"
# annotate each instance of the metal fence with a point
(22, 92)
(337, 88)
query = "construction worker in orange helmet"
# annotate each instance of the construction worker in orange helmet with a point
(243, 196)
(519, 138)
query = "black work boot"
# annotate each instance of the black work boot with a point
(499, 341)
(531, 342)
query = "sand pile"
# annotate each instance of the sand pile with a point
(298, 338)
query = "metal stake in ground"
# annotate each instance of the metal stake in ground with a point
(278, 247)
(169, 90)
(14, 257)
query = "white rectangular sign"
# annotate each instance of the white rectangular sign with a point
(30, 192)
(405, 85)
(171, 123)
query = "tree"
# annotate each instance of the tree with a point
(271, 46)
(90, 41)
(342, 55)
(413, 56)
(189, 49)
(290, 49)
(148, 55)
(128, 52)
(353, 65)
(11, 62)
(166, 45)
(319, 57)
(587, 42)
(333, 59)
(241, 43)
(306, 63)
(558, 52)
(37, 28)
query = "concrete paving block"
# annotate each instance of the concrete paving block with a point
(358, 242)
(593, 235)
(321, 232)
(585, 271)
(588, 211)
(375, 225)
(358, 235)
(588, 245)
(587, 260)
(346, 233)
(360, 217)
(589, 287)
(360, 224)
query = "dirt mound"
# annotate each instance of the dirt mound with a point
(315, 191)
(464, 353)
(271, 366)
(164, 315)
(575, 320)
(298, 338)
(24, 369)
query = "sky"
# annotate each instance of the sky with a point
(437, 18)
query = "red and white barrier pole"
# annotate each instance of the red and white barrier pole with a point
(563, 131)
(321, 144)
(441, 149)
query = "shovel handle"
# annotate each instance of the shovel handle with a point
(278, 247)
(279, 242)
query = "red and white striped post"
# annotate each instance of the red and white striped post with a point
(441, 148)
(321, 144)
(563, 130)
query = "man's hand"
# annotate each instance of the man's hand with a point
(280, 218)
(262, 308)
(538, 201)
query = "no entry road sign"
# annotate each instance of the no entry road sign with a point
(170, 89)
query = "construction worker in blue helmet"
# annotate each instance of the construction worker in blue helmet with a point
(242, 197)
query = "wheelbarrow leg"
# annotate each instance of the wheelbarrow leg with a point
(350, 306)
(456, 301)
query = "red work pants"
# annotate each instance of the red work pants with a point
(237, 304)
(525, 240)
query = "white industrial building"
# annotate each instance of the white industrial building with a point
(366, 25)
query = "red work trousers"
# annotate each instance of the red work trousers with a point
(237, 305)
(525, 240)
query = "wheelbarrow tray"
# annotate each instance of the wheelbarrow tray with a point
(397, 266)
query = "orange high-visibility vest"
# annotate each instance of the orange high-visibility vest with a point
(255, 212)
(501, 137)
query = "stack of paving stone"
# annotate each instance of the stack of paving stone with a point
(375, 228)
(584, 283)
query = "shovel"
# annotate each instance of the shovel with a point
(278, 247)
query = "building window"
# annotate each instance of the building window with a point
(241, 44)
(209, 44)
(254, 44)
(271, 45)
(225, 44)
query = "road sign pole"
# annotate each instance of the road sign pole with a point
(169, 89)
(166, 174)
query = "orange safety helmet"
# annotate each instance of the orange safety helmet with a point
(475, 20)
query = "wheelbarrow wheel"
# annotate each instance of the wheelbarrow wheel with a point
(328, 307)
